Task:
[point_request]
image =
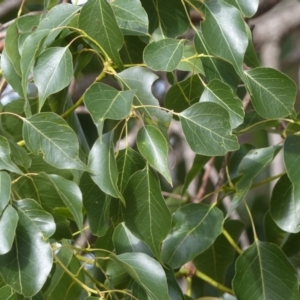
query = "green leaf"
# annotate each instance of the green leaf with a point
(172, 24)
(189, 235)
(164, 55)
(258, 277)
(174, 290)
(285, 205)
(131, 17)
(251, 58)
(183, 94)
(98, 21)
(96, 204)
(146, 271)
(28, 23)
(8, 223)
(62, 286)
(103, 165)
(132, 50)
(250, 167)
(19, 155)
(218, 92)
(27, 265)
(141, 80)
(124, 241)
(232, 40)
(104, 102)
(128, 162)
(220, 252)
(52, 72)
(291, 150)
(272, 92)
(154, 147)
(70, 194)
(146, 214)
(49, 133)
(5, 184)
(207, 129)
(247, 7)
(5, 161)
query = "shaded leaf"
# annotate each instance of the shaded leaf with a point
(146, 271)
(103, 165)
(19, 155)
(291, 157)
(272, 92)
(5, 184)
(194, 228)
(232, 40)
(251, 58)
(131, 17)
(207, 129)
(26, 266)
(172, 24)
(146, 214)
(164, 55)
(174, 290)
(5, 161)
(53, 72)
(132, 50)
(50, 134)
(104, 102)
(98, 21)
(218, 92)
(96, 204)
(258, 277)
(8, 223)
(154, 147)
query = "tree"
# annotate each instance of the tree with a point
(108, 219)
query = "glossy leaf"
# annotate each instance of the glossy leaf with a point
(52, 72)
(183, 94)
(98, 21)
(272, 92)
(30, 251)
(207, 129)
(146, 214)
(164, 55)
(247, 7)
(218, 92)
(5, 160)
(146, 271)
(5, 183)
(141, 80)
(131, 17)
(154, 147)
(96, 204)
(232, 40)
(104, 102)
(49, 133)
(172, 24)
(194, 228)
(258, 277)
(125, 242)
(103, 165)
(8, 223)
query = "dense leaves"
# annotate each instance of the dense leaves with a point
(122, 148)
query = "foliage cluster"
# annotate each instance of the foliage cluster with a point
(54, 187)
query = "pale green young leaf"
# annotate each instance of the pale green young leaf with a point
(5, 190)
(258, 277)
(164, 55)
(207, 129)
(8, 223)
(104, 102)
(131, 17)
(146, 271)
(194, 228)
(146, 214)
(52, 72)
(232, 40)
(154, 148)
(103, 165)
(27, 265)
(272, 92)
(6, 162)
(97, 19)
(218, 92)
(50, 134)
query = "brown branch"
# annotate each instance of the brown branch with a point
(8, 6)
